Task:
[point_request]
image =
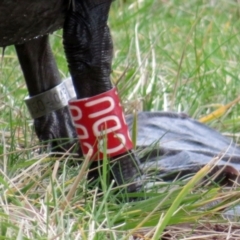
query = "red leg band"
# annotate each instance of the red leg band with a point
(98, 118)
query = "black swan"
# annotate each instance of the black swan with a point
(87, 42)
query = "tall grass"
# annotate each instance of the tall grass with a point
(169, 55)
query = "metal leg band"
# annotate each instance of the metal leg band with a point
(51, 100)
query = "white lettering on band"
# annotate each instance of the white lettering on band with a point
(78, 126)
(115, 149)
(102, 112)
(100, 132)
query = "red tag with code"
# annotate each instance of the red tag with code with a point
(98, 119)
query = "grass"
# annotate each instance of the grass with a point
(169, 55)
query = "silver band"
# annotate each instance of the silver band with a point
(51, 100)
